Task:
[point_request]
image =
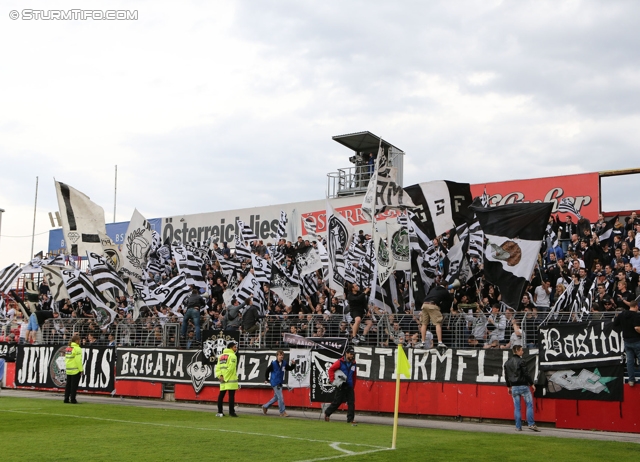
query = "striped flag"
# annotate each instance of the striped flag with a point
(228, 265)
(282, 225)
(261, 269)
(606, 233)
(7, 277)
(309, 285)
(53, 275)
(567, 206)
(242, 251)
(80, 287)
(247, 233)
(104, 277)
(247, 288)
(307, 260)
(339, 234)
(190, 265)
(146, 294)
(173, 292)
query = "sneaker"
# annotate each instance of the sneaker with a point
(518, 429)
(631, 383)
(362, 338)
(284, 414)
(442, 346)
(355, 341)
(219, 414)
(327, 419)
(534, 428)
(264, 410)
(419, 345)
(233, 415)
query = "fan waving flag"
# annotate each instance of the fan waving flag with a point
(339, 234)
(514, 235)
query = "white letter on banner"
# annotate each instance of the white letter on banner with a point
(481, 377)
(461, 364)
(382, 355)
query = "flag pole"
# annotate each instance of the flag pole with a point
(397, 402)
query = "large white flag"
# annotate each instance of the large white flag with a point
(398, 240)
(136, 248)
(339, 235)
(82, 220)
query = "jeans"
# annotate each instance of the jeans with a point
(194, 314)
(633, 351)
(516, 393)
(277, 396)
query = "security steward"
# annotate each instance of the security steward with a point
(73, 363)
(227, 374)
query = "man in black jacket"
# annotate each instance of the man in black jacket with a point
(518, 381)
(628, 321)
(193, 304)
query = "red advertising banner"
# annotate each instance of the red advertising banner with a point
(353, 213)
(582, 189)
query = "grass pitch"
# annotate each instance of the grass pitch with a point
(45, 430)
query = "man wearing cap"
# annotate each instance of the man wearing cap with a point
(228, 376)
(344, 392)
(194, 303)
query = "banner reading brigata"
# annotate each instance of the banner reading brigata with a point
(582, 189)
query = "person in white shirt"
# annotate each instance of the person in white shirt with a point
(541, 295)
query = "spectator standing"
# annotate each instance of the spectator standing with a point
(275, 376)
(227, 374)
(518, 380)
(344, 391)
(73, 363)
(194, 303)
(628, 321)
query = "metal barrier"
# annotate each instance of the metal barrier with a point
(377, 330)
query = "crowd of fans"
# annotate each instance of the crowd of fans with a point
(476, 318)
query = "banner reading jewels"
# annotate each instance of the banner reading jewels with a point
(44, 367)
(581, 361)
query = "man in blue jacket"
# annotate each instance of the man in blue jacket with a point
(344, 391)
(275, 376)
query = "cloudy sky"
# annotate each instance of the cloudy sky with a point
(216, 105)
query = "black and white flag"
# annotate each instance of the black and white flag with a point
(145, 294)
(80, 287)
(261, 269)
(383, 258)
(7, 277)
(82, 220)
(514, 236)
(190, 265)
(36, 264)
(249, 287)
(567, 206)
(136, 248)
(110, 251)
(242, 251)
(173, 293)
(606, 234)
(310, 226)
(104, 276)
(339, 232)
(398, 240)
(384, 193)
(307, 260)
(440, 206)
(247, 233)
(309, 285)
(282, 225)
(53, 276)
(283, 286)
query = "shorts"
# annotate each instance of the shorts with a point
(33, 323)
(357, 314)
(430, 312)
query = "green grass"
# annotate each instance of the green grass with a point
(45, 430)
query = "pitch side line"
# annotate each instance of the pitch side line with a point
(377, 448)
